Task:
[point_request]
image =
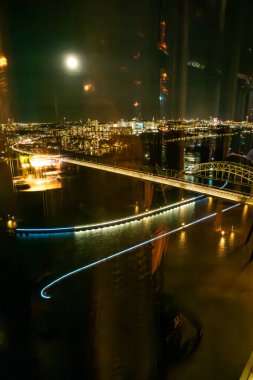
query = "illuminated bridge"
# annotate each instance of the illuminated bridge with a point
(222, 170)
(238, 174)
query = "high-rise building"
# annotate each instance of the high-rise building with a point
(207, 55)
(4, 92)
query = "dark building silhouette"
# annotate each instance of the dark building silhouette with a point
(210, 58)
(4, 90)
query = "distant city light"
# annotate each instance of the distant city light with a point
(196, 64)
(136, 104)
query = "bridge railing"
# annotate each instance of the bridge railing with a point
(180, 179)
(169, 174)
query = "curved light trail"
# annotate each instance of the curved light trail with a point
(108, 223)
(43, 292)
(111, 223)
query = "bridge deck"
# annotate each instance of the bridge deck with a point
(155, 178)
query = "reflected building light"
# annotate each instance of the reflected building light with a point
(40, 162)
(3, 62)
(231, 239)
(244, 213)
(210, 203)
(222, 248)
(182, 239)
(182, 211)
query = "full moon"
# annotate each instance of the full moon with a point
(72, 62)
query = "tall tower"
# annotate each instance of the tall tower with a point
(4, 92)
(164, 85)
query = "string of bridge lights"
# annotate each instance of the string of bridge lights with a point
(44, 291)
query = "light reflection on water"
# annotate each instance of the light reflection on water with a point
(245, 212)
(99, 243)
(210, 204)
(222, 248)
(182, 240)
(231, 239)
(112, 294)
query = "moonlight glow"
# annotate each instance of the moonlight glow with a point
(72, 62)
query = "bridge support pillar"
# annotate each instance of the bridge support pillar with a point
(148, 194)
(218, 218)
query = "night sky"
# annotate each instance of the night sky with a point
(117, 44)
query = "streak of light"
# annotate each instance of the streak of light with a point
(108, 223)
(43, 292)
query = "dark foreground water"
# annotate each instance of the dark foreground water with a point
(105, 323)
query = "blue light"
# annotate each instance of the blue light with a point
(225, 184)
(43, 292)
(44, 230)
(108, 223)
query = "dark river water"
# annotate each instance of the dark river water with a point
(107, 322)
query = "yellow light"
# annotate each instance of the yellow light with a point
(231, 238)
(222, 232)
(222, 248)
(3, 61)
(88, 87)
(11, 223)
(244, 213)
(182, 239)
(209, 204)
(41, 162)
(222, 242)
(136, 104)
(136, 209)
